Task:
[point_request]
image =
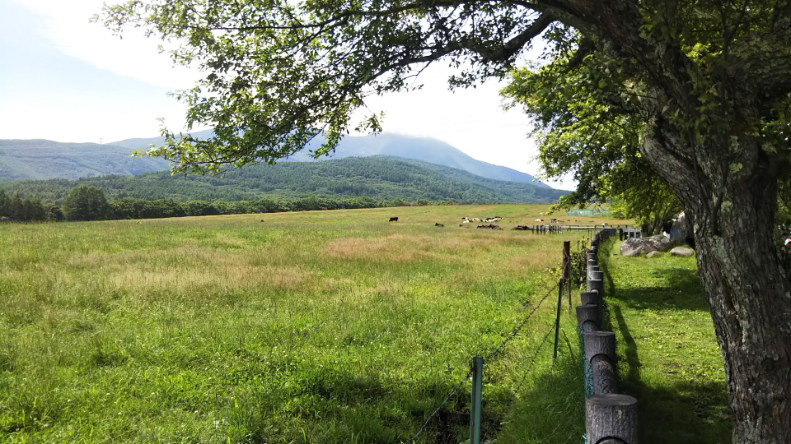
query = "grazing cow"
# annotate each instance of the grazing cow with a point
(393, 219)
(437, 224)
(465, 221)
(522, 227)
(490, 226)
(539, 220)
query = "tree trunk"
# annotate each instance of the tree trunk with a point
(732, 202)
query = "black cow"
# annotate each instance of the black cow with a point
(393, 219)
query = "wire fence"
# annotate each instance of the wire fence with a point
(571, 269)
(487, 358)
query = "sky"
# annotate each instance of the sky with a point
(66, 79)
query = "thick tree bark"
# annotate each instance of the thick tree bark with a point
(732, 206)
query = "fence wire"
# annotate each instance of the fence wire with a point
(534, 357)
(491, 355)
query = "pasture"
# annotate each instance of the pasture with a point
(326, 326)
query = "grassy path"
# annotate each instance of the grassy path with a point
(669, 355)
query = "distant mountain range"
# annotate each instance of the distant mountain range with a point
(394, 145)
(385, 167)
(44, 159)
(378, 177)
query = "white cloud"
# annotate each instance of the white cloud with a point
(67, 24)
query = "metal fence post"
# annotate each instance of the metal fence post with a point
(567, 267)
(557, 319)
(475, 406)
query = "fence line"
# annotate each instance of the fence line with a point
(609, 416)
(570, 269)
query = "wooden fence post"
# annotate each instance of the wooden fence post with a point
(600, 356)
(596, 284)
(590, 297)
(589, 317)
(611, 419)
(592, 268)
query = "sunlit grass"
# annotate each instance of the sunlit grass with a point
(670, 360)
(332, 326)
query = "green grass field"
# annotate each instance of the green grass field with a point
(670, 360)
(332, 326)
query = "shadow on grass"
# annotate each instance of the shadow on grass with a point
(684, 292)
(338, 406)
(632, 360)
(684, 412)
(551, 410)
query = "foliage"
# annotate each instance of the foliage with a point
(651, 204)
(581, 131)
(278, 73)
(85, 202)
(26, 209)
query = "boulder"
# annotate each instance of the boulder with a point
(655, 254)
(682, 251)
(639, 246)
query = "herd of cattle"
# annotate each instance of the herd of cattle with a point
(488, 222)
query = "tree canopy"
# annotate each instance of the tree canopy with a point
(85, 202)
(699, 90)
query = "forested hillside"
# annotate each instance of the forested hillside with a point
(378, 177)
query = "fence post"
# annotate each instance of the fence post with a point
(567, 267)
(611, 416)
(589, 317)
(599, 350)
(590, 297)
(557, 319)
(476, 395)
(596, 284)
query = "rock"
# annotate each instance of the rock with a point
(638, 246)
(654, 254)
(682, 252)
